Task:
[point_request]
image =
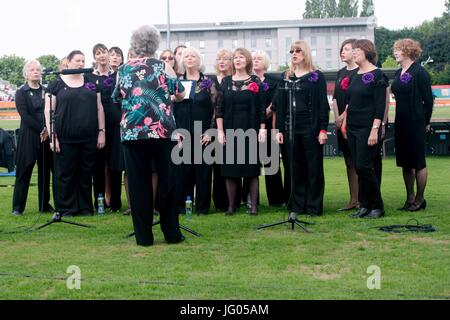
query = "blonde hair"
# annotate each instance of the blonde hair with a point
(248, 58)
(223, 53)
(63, 64)
(27, 66)
(264, 56)
(409, 47)
(304, 46)
(201, 66)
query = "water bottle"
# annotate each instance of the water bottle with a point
(101, 205)
(188, 208)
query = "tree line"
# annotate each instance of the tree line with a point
(320, 9)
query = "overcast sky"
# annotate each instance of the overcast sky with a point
(33, 28)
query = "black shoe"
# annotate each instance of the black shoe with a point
(417, 207)
(252, 213)
(375, 214)
(179, 240)
(17, 213)
(406, 206)
(230, 213)
(361, 213)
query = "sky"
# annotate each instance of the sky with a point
(33, 28)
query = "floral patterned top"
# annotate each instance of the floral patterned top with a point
(144, 89)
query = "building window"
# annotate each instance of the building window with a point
(329, 53)
(329, 65)
(268, 43)
(235, 44)
(328, 40)
(202, 44)
(313, 41)
(314, 53)
(253, 43)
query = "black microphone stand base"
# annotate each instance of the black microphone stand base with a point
(57, 218)
(292, 220)
(181, 227)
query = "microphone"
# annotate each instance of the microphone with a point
(49, 71)
(77, 71)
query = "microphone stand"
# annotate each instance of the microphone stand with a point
(57, 217)
(290, 87)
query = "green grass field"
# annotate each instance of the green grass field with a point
(232, 260)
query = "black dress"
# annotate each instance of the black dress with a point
(76, 127)
(219, 192)
(30, 105)
(343, 80)
(242, 109)
(187, 113)
(414, 106)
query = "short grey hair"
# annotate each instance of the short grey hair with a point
(265, 57)
(27, 66)
(201, 64)
(145, 41)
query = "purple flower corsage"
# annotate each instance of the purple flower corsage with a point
(368, 78)
(406, 78)
(314, 77)
(265, 86)
(90, 86)
(206, 84)
(108, 82)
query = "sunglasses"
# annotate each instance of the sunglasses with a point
(167, 58)
(296, 51)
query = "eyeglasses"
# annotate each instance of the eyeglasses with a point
(223, 59)
(296, 51)
(167, 58)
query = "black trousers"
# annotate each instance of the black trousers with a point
(198, 176)
(73, 177)
(363, 159)
(138, 159)
(308, 181)
(220, 196)
(115, 184)
(99, 175)
(23, 177)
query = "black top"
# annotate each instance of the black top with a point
(200, 108)
(311, 100)
(413, 95)
(344, 77)
(76, 111)
(249, 92)
(366, 97)
(30, 105)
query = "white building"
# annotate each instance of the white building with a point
(275, 37)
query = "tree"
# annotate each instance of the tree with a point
(11, 69)
(49, 61)
(314, 9)
(330, 9)
(437, 46)
(347, 8)
(390, 63)
(368, 8)
(447, 7)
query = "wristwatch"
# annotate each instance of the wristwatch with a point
(101, 130)
(376, 127)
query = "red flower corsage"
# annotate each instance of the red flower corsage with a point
(253, 87)
(345, 83)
